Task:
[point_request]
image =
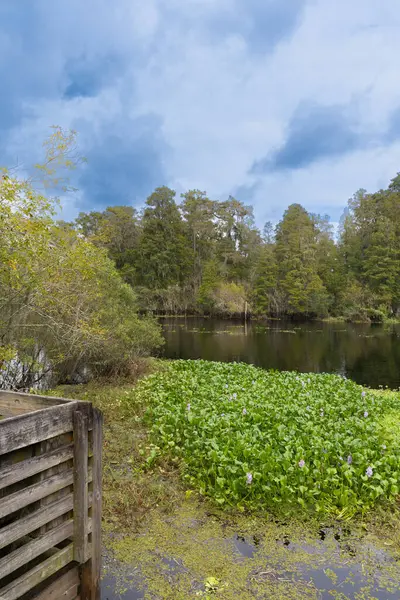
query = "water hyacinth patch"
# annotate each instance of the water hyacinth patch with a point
(291, 453)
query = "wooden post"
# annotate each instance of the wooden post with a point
(91, 570)
(81, 517)
(46, 474)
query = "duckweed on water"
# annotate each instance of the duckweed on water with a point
(254, 439)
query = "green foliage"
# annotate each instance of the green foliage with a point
(257, 439)
(370, 245)
(198, 212)
(264, 296)
(164, 252)
(117, 230)
(208, 288)
(230, 299)
(63, 302)
(296, 252)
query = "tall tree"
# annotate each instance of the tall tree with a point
(237, 237)
(296, 253)
(165, 254)
(370, 245)
(117, 230)
(198, 211)
(264, 294)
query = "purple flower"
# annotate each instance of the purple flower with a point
(308, 408)
(234, 396)
(302, 463)
(369, 472)
(188, 406)
(244, 412)
(322, 412)
(253, 382)
(249, 478)
(222, 414)
(363, 394)
(349, 459)
(226, 385)
(366, 414)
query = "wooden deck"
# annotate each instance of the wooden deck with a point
(50, 498)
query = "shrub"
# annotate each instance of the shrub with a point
(63, 303)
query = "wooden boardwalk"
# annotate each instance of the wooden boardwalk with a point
(50, 498)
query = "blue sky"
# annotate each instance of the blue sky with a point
(272, 101)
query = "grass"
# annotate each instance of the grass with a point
(134, 483)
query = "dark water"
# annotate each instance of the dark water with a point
(368, 354)
(346, 579)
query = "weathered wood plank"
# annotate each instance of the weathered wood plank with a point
(91, 571)
(60, 588)
(24, 430)
(21, 556)
(43, 448)
(80, 487)
(26, 468)
(13, 532)
(71, 594)
(32, 578)
(35, 492)
(18, 403)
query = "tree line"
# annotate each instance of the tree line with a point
(201, 256)
(81, 296)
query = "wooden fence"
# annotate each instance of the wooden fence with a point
(50, 498)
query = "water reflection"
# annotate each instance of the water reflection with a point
(368, 354)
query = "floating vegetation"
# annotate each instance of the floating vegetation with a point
(200, 553)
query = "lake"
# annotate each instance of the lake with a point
(368, 354)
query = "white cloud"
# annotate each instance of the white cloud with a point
(222, 103)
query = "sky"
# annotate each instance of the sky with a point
(271, 101)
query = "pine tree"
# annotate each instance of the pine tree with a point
(164, 251)
(296, 255)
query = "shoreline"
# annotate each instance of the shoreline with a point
(288, 319)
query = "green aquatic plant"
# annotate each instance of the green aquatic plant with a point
(254, 439)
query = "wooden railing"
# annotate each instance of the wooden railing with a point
(50, 498)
